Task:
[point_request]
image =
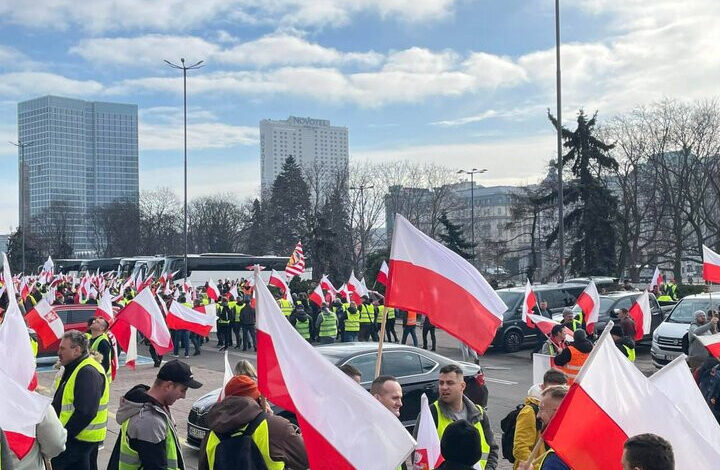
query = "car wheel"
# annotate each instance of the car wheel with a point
(512, 341)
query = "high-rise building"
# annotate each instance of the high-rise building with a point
(82, 154)
(319, 148)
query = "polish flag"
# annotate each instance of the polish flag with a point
(226, 377)
(656, 280)
(317, 296)
(332, 412)
(589, 303)
(278, 280)
(428, 277)
(24, 288)
(131, 354)
(711, 343)
(328, 287)
(642, 315)
(234, 292)
(529, 304)
(144, 314)
(711, 265)
(20, 412)
(15, 339)
(344, 292)
(628, 405)
(356, 288)
(46, 323)
(105, 308)
(382, 276)
(427, 450)
(180, 317)
(546, 325)
(213, 292)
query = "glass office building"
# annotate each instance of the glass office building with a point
(82, 153)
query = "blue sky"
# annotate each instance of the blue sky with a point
(459, 82)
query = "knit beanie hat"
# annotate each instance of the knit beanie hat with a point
(242, 386)
(461, 443)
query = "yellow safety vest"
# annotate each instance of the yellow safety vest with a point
(260, 437)
(389, 313)
(285, 306)
(328, 327)
(97, 429)
(303, 327)
(444, 422)
(129, 459)
(352, 322)
(238, 310)
(34, 346)
(630, 353)
(95, 344)
(367, 313)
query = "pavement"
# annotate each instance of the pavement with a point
(508, 377)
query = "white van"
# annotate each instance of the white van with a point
(670, 339)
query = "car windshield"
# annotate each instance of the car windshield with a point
(606, 303)
(684, 311)
(510, 298)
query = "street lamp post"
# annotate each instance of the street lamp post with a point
(184, 69)
(21, 149)
(362, 189)
(558, 111)
(472, 173)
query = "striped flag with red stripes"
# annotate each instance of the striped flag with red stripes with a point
(296, 263)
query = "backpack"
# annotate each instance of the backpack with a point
(507, 425)
(240, 452)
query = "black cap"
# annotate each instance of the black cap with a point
(178, 372)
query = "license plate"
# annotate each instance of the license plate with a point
(196, 432)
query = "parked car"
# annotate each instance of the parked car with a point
(670, 339)
(612, 302)
(74, 317)
(514, 333)
(603, 283)
(416, 369)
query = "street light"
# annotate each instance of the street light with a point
(558, 111)
(362, 189)
(184, 69)
(21, 149)
(472, 173)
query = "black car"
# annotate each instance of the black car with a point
(416, 369)
(514, 333)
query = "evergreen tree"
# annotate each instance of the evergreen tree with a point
(256, 239)
(289, 208)
(592, 207)
(453, 238)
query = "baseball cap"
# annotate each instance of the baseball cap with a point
(178, 372)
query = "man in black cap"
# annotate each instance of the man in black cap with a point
(148, 438)
(460, 446)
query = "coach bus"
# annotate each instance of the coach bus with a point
(104, 265)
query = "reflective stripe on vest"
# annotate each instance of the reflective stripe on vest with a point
(260, 437)
(630, 353)
(328, 327)
(95, 344)
(129, 459)
(352, 322)
(572, 368)
(303, 327)
(96, 430)
(444, 422)
(286, 307)
(366, 314)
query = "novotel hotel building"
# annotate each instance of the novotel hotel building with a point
(321, 149)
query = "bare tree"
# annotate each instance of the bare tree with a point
(215, 224)
(54, 229)
(160, 222)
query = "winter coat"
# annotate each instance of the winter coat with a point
(696, 348)
(49, 442)
(526, 431)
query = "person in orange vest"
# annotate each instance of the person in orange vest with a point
(572, 358)
(409, 322)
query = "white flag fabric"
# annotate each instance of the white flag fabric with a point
(226, 377)
(427, 450)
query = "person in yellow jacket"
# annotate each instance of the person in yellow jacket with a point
(549, 403)
(81, 399)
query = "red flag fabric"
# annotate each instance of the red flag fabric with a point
(529, 304)
(144, 314)
(213, 292)
(589, 303)
(332, 412)
(317, 296)
(382, 276)
(278, 280)
(180, 317)
(356, 288)
(641, 313)
(104, 308)
(711, 343)
(428, 277)
(546, 325)
(131, 352)
(20, 412)
(711, 265)
(656, 280)
(46, 323)
(296, 263)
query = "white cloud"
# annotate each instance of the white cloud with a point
(515, 113)
(202, 135)
(493, 71)
(417, 59)
(30, 84)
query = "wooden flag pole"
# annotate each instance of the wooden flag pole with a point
(378, 362)
(535, 451)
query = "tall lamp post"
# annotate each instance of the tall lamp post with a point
(184, 69)
(558, 111)
(362, 189)
(21, 150)
(472, 173)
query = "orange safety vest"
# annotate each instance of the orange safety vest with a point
(572, 368)
(411, 319)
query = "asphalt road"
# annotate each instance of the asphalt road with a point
(508, 378)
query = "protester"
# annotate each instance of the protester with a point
(224, 332)
(555, 343)
(468, 353)
(367, 321)
(572, 358)
(647, 452)
(409, 319)
(387, 390)
(352, 323)
(352, 372)
(50, 437)
(247, 323)
(543, 311)
(326, 325)
(625, 344)
(301, 321)
(245, 367)
(570, 321)
(148, 437)
(428, 328)
(81, 397)
(460, 446)
(100, 342)
(697, 353)
(549, 403)
(626, 323)
(392, 336)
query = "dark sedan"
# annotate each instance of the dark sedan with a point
(416, 369)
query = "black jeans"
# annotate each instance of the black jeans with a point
(249, 341)
(390, 330)
(237, 331)
(367, 331)
(409, 330)
(196, 341)
(224, 335)
(77, 456)
(426, 330)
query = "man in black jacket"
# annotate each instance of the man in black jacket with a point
(247, 322)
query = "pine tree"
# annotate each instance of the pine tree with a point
(288, 210)
(256, 241)
(453, 238)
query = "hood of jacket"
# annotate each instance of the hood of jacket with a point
(232, 413)
(133, 402)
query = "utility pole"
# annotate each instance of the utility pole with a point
(472, 173)
(362, 189)
(21, 150)
(558, 111)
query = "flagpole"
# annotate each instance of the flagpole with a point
(378, 362)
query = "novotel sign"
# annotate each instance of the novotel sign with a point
(306, 121)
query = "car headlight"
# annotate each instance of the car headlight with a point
(655, 336)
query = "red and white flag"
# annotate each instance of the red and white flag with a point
(427, 450)
(332, 413)
(131, 354)
(546, 325)
(213, 292)
(24, 288)
(278, 280)
(529, 304)
(296, 263)
(316, 296)
(428, 277)
(382, 276)
(711, 265)
(641, 313)
(344, 292)
(711, 343)
(105, 308)
(234, 292)
(356, 288)
(656, 280)
(227, 376)
(628, 405)
(589, 303)
(180, 317)
(328, 286)
(46, 323)
(144, 314)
